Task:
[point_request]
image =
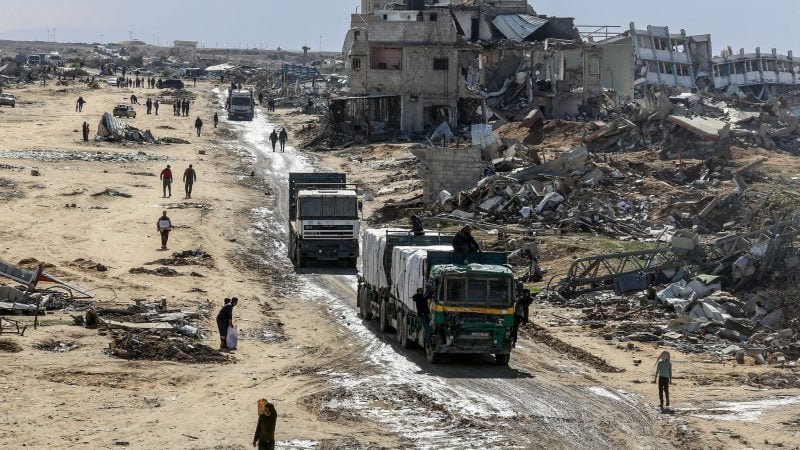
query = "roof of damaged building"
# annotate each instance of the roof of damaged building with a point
(518, 27)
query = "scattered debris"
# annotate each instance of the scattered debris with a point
(9, 346)
(161, 271)
(112, 193)
(138, 345)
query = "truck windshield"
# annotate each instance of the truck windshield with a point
(240, 101)
(328, 208)
(478, 291)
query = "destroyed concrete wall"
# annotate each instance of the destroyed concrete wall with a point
(618, 66)
(448, 169)
(667, 59)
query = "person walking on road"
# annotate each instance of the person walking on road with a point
(423, 313)
(164, 226)
(216, 119)
(664, 378)
(225, 321)
(166, 178)
(198, 124)
(186, 107)
(264, 438)
(273, 137)
(189, 177)
(85, 130)
(175, 105)
(79, 104)
(521, 314)
(149, 105)
(283, 137)
(155, 105)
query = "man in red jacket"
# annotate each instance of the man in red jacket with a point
(166, 178)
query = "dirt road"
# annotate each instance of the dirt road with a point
(467, 402)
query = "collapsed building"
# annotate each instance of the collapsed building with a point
(416, 65)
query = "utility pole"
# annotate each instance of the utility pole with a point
(130, 36)
(101, 38)
(320, 46)
(54, 35)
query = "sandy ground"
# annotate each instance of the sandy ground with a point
(320, 365)
(87, 399)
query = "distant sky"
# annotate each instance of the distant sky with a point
(291, 24)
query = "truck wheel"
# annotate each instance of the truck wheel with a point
(433, 357)
(384, 320)
(403, 333)
(502, 359)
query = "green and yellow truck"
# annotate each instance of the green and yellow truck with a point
(472, 297)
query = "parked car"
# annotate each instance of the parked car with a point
(171, 84)
(124, 111)
(112, 81)
(8, 100)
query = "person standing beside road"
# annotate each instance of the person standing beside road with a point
(149, 105)
(273, 137)
(198, 124)
(164, 226)
(663, 377)
(521, 314)
(186, 107)
(264, 438)
(166, 178)
(283, 137)
(225, 321)
(189, 177)
(155, 105)
(463, 241)
(423, 313)
(175, 106)
(216, 120)
(85, 130)
(79, 104)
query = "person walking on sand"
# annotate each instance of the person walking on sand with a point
(155, 106)
(283, 137)
(225, 321)
(85, 130)
(663, 377)
(164, 226)
(149, 105)
(79, 104)
(189, 177)
(273, 137)
(264, 438)
(216, 120)
(166, 178)
(198, 124)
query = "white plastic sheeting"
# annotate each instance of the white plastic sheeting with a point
(408, 271)
(373, 247)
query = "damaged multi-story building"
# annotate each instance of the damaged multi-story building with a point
(687, 62)
(416, 64)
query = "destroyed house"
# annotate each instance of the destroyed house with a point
(415, 65)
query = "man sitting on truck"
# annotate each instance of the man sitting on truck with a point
(416, 226)
(423, 312)
(463, 242)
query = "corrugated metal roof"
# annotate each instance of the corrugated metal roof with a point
(518, 27)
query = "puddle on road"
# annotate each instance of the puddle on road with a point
(746, 411)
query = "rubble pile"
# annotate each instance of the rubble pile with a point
(136, 345)
(112, 129)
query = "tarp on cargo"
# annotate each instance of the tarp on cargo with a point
(373, 247)
(408, 271)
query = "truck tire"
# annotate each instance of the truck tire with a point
(384, 319)
(433, 357)
(402, 332)
(502, 359)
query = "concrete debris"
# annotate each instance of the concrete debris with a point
(113, 129)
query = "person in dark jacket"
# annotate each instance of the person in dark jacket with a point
(198, 125)
(155, 106)
(423, 312)
(416, 226)
(79, 104)
(85, 130)
(164, 226)
(283, 136)
(463, 241)
(265, 430)
(225, 321)
(189, 177)
(273, 137)
(216, 120)
(521, 314)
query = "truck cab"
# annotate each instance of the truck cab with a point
(473, 304)
(324, 219)
(241, 105)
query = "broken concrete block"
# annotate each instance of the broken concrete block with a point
(462, 214)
